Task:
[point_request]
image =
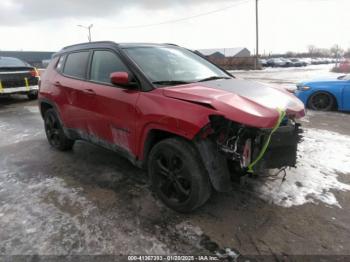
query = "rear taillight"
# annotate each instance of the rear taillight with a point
(34, 73)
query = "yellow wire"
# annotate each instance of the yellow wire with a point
(263, 150)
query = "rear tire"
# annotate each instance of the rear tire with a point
(178, 176)
(54, 132)
(32, 95)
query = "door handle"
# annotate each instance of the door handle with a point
(57, 83)
(89, 92)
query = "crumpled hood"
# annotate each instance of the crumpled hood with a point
(247, 102)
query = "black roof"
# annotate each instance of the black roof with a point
(102, 44)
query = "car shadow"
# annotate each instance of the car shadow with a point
(13, 100)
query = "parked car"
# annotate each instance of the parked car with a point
(287, 62)
(326, 94)
(276, 62)
(344, 67)
(263, 62)
(316, 61)
(191, 124)
(297, 62)
(306, 60)
(18, 77)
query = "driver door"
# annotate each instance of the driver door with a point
(113, 113)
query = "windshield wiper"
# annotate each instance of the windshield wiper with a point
(213, 78)
(170, 82)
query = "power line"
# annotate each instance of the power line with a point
(184, 18)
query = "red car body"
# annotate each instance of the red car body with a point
(344, 67)
(131, 121)
(80, 107)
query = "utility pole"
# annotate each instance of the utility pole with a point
(89, 30)
(257, 33)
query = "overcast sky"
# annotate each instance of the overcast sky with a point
(285, 25)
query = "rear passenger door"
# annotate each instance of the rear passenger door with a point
(114, 113)
(71, 92)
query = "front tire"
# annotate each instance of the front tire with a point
(321, 101)
(178, 176)
(54, 132)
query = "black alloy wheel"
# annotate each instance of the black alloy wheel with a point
(54, 132)
(172, 176)
(321, 101)
(178, 176)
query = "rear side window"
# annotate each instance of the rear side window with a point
(103, 64)
(76, 64)
(59, 65)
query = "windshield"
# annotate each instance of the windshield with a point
(167, 65)
(11, 62)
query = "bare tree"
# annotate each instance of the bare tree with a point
(347, 53)
(312, 49)
(336, 50)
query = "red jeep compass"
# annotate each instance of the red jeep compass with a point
(193, 125)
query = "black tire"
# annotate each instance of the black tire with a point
(32, 95)
(321, 101)
(54, 132)
(178, 176)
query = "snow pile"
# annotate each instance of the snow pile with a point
(17, 133)
(323, 155)
(47, 216)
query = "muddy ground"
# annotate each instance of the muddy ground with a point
(90, 201)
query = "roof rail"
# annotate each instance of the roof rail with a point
(87, 43)
(170, 44)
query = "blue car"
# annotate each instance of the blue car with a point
(326, 94)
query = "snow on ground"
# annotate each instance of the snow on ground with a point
(323, 156)
(37, 212)
(18, 130)
(16, 137)
(287, 77)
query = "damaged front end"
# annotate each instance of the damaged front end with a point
(230, 150)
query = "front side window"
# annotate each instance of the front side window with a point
(163, 65)
(76, 64)
(103, 64)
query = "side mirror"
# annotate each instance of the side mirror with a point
(120, 78)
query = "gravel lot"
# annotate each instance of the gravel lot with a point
(91, 201)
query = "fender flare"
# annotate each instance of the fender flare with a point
(215, 164)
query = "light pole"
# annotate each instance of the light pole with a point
(89, 29)
(257, 33)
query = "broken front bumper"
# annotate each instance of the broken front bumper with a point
(230, 150)
(282, 150)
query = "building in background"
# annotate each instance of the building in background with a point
(35, 58)
(229, 58)
(225, 52)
